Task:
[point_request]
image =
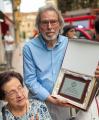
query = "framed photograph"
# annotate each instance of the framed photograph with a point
(74, 88)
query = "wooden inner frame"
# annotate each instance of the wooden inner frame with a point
(74, 78)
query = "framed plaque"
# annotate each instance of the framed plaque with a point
(73, 87)
(76, 83)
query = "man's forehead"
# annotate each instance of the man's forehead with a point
(49, 15)
(49, 12)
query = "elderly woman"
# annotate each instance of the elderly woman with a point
(18, 106)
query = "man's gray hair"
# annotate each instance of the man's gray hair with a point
(51, 8)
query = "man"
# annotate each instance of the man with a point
(42, 59)
(9, 48)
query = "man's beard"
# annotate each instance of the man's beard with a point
(50, 38)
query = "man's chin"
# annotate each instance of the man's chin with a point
(51, 38)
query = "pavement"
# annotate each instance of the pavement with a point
(17, 60)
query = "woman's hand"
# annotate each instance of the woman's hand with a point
(97, 73)
(37, 117)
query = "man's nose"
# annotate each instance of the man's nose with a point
(49, 25)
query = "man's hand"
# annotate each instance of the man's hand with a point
(57, 101)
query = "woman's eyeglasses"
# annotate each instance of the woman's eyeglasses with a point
(13, 93)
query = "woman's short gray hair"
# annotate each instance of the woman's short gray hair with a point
(51, 8)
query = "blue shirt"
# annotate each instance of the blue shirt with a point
(41, 65)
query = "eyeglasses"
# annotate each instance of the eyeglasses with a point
(46, 22)
(13, 93)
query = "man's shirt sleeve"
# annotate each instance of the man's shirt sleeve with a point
(30, 76)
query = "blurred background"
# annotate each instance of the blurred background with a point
(18, 16)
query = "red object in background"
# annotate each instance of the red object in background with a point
(88, 19)
(35, 33)
(4, 27)
(84, 33)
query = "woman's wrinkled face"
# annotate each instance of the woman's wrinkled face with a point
(15, 93)
(49, 25)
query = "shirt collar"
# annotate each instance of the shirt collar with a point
(44, 43)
